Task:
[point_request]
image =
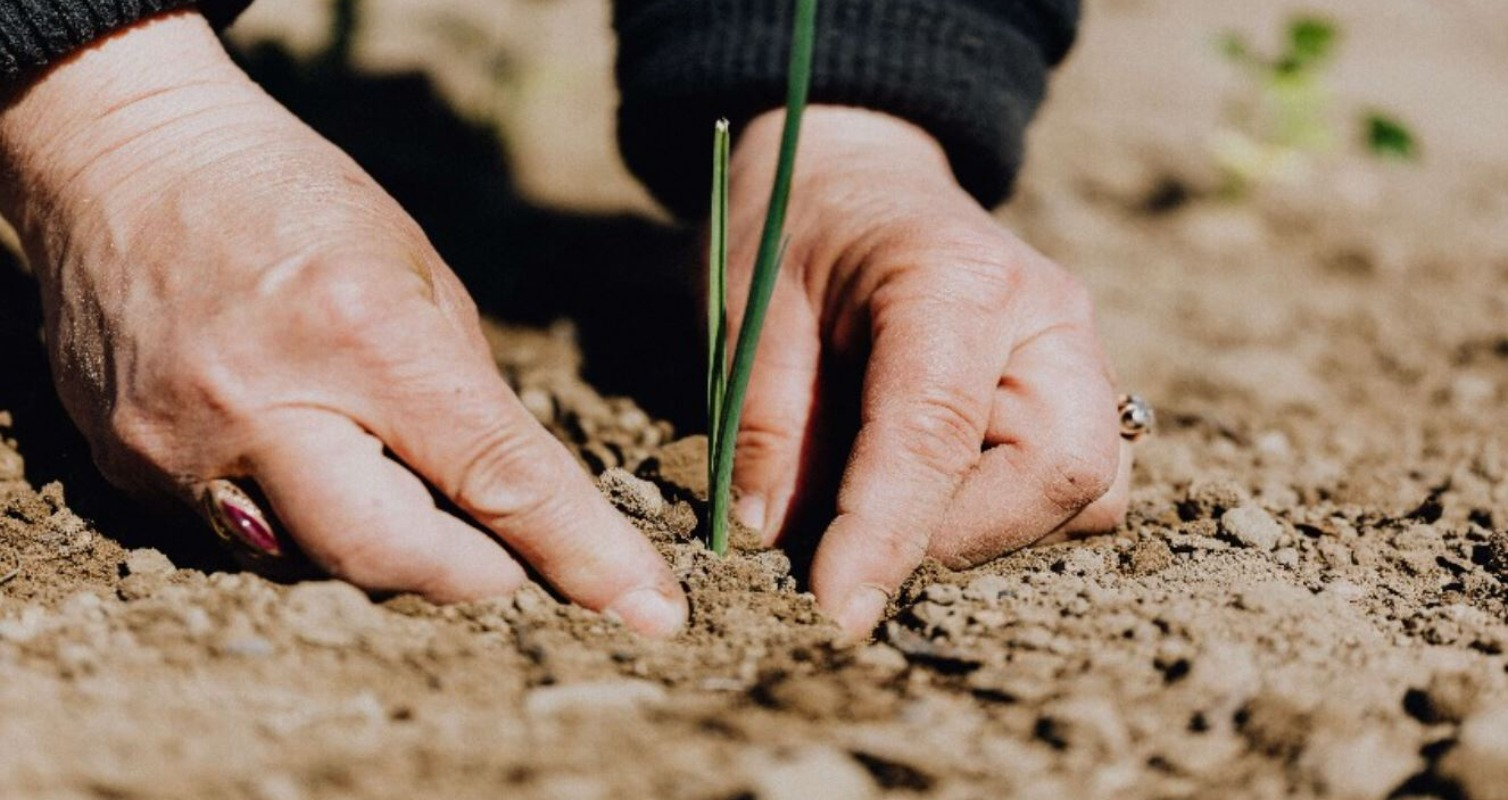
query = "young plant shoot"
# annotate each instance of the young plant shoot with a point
(717, 297)
(728, 384)
(1284, 118)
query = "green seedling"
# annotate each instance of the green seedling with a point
(1285, 117)
(727, 384)
(1388, 138)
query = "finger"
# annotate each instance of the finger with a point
(457, 424)
(926, 400)
(774, 429)
(1057, 445)
(368, 520)
(1103, 515)
(1107, 513)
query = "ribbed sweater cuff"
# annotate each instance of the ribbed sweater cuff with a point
(34, 33)
(970, 72)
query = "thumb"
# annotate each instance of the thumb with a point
(778, 408)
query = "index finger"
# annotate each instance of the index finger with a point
(453, 420)
(926, 401)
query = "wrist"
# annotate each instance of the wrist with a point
(845, 141)
(862, 177)
(104, 103)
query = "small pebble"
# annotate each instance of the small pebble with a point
(594, 698)
(1479, 761)
(149, 562)
(12, 465)
(989, 589)
(1252, 527)
(1149, 557)
(633, 419)
(1366, 766)
(882, 658)
(1287, 557)
(809, 771)
(1083, 561)
(1212, 498)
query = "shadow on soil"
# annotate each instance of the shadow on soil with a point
(621, 279)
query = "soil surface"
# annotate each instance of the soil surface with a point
(1309, 599)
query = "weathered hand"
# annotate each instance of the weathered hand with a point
(969, 363)
(227, 294)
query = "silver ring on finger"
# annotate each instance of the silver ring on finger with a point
(237, 519)
(1137, 417)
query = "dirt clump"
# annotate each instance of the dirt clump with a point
(1309, 597)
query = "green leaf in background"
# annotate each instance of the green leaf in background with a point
(1311, 40)
(1388, 138)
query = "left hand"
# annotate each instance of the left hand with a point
(986, 416)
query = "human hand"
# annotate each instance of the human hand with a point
(986, 418)
(228, 295)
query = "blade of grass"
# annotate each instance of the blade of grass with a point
(717, 296)
(766, 267)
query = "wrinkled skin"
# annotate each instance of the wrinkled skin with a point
(228, 295)
(986, 415)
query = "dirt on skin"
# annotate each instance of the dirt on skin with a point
(1309, 599)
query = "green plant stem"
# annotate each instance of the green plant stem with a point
(766, 267)
(717, 296)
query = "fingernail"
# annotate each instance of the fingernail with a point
(862, 611)
(751, 511)
(649, 611)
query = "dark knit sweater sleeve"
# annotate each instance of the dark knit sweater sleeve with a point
(972, 72)
(34, 33)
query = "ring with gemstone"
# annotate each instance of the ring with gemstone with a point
(1137, 417)
(237, 519)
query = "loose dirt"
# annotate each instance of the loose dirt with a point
(1309, 599)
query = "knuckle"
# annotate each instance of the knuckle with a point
(343, 302)
(127, 430)
(1074, 480)
(900, 545)
(942, 432)
(758, 442)
(508, 479)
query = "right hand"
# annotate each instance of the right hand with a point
(229, 295)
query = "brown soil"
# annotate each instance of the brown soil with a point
(1310, 598)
